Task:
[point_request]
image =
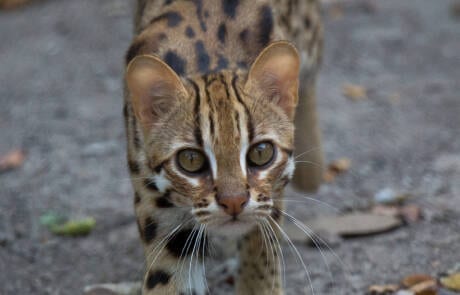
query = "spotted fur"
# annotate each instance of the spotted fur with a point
(214, 75)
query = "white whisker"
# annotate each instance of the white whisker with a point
(293, 247)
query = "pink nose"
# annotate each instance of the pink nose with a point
(233, 205)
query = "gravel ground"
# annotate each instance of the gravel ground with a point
(61, 98)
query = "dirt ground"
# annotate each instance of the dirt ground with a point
(61, 99)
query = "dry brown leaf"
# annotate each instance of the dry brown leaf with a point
(410, 213)
(329, 176)
(10, 4)
(452, 282)
(428, 287)
(385, 210)
(382, 289)
(356, 224)
(335, 168)
(354, 92)
(12, 160)
(414, 279)
(341, 165)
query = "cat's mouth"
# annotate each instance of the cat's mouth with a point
(233, 226)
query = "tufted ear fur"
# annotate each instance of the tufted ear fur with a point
(154, 88)
(274, 75)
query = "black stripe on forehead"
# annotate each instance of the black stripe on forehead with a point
(197, 131)
(222, 79)
(246, 109)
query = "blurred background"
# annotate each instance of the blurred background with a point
(389, 107)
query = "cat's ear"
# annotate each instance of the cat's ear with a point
(274, 75)
(154, 88)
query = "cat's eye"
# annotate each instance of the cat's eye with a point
(261, 154)
(192, 161)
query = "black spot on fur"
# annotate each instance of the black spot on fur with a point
(199, 13)
(137, 139)
(265, 25)
(244, 36)
(222, 33)
(125, 110)
(157, 277)
(222, 63)
(164, 201)
(175, 62)
(158, 168)
(167, 2)
(229, 7)
(307, 23)
(242, 64)
(134, 50)
(173, 18)
(133, 167)
(276, 214)
(137, 198)
(202, 57)
(178, 244)
(150, 184)
(189, 32)
(150, 230)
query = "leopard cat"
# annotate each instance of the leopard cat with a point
(211, 90)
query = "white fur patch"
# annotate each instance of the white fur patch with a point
(192, 181)
(290, 167)
(162, 182)
(212, 160)
(192, 276)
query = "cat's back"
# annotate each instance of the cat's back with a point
(205, 36)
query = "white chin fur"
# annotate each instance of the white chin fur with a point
(232, 228)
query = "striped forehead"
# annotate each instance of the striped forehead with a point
(222, 125)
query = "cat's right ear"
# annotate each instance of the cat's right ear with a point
(154, 88)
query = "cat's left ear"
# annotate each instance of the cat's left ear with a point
(154, 89)
(274, 75)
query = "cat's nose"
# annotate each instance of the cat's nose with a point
(233, 205)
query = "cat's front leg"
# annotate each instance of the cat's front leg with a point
(173, 261)
(260, 265)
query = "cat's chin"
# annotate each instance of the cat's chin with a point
(233, 228)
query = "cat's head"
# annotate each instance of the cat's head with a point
(220, 145)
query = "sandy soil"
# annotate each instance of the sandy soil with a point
(61, 98)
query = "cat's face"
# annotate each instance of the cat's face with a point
(220, 144)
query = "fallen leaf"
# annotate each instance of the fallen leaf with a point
(294, 232)
(12, 160)
(341, 165)
(382, 289)
(410, 213)
(452, 282)
(354, 92)
(329, 176)
(414, 279)
(335, 168)
(356, 224)
(10, 4)
(50, 219)
(428, 287)
(386, 210)
(74, 228)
